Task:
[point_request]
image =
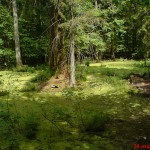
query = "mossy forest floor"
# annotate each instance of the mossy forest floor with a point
(104, 112)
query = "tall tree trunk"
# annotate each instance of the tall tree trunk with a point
(100, 55)
(134, 40)
(16, 34)
(112, 49)
(96, 4)
(56, 50)
(53, 48)
(72, 57)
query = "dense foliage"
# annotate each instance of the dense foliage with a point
(103, 29)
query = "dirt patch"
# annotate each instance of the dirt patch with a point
(55, 84)
(141, 82)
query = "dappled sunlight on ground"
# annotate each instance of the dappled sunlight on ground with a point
(60, 82)
(14, 81)
(56, 119)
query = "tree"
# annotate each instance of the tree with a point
(144, 33)
(7, 55)
(34, 31)
(72, 57)
(110, 28)
(16, 34)
(56, 50)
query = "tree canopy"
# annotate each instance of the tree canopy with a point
(103, 30)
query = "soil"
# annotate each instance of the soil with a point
(141, 82)
(55, 84)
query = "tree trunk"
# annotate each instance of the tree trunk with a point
(53, 49)
(100, 55)
(56, 51)
(112, 49)
(96, 4)
(72, 57)
(16, 34)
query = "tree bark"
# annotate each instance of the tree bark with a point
(96, 4)
(16, 34)
(72, 57)
(53, 48)
(112, 49)
(56, 51)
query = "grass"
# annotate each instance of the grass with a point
(99, 114)
(25, 80)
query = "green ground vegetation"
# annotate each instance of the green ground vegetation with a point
(102, 113)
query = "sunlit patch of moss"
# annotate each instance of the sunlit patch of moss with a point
(28, 145)
(14, 81)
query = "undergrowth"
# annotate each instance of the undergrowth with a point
(25, 68)
(96, 121)
(86, 117)
(29, 87)
(4, 92)
(42, 76)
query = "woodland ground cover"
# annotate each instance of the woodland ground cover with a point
(102, 112)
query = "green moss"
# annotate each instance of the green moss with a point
(29, 87)
(94, 116)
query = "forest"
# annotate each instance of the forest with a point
(74, 74)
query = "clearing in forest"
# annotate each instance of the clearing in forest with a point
(104, 111)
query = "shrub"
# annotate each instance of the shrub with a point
(8, 124)
(81, 73)
(26, 68)
(22, 68)
(133, 91)
(87, 63)
(31, 69)
(96, 122)
(31, 125)
(42, 76)
(81, 76)
(60, 113)
(42, 67)
(28, 87)
(4, 92)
